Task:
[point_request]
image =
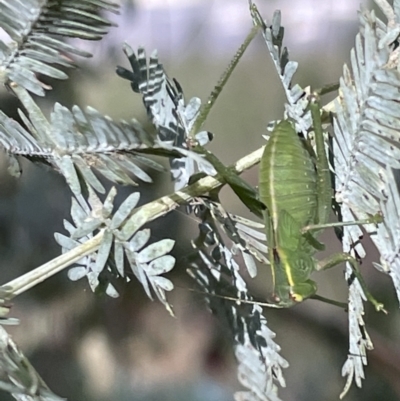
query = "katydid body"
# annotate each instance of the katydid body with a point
(295, 186)
(288, 187)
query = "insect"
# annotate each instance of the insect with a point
(295, 186)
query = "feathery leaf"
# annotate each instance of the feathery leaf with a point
(36, 29)
(165, 105)
(260, 365)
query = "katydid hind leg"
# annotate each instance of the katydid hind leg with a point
(338, 258)
(329, 301)
(246, 193)
(205, 110)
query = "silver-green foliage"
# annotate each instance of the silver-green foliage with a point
(365, 147)
(37, 28)
(146, 262)
(18, 376)
(103, 240)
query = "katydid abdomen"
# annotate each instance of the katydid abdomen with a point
(289, 189)
(288, 179)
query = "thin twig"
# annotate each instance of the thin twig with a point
(141, 216)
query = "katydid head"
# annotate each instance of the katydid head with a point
(291, 272)
(287, 296)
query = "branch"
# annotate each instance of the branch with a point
(144, 214)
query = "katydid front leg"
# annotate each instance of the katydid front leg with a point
(338, 258)
(246, 193)
(376, 219)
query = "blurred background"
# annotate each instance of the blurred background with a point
(88, 347)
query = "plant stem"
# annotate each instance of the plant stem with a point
(141, 216)
(41, 273)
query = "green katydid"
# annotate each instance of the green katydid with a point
(295, 186)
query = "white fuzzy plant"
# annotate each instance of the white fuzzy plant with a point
(102, 242)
